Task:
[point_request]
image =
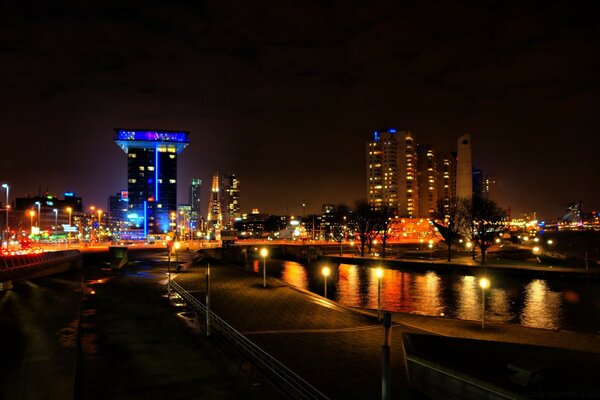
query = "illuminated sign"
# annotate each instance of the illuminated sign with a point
(124, 194)
(69, 194)
(153, 136)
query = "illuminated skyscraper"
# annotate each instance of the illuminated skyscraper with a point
(152, 176)
(464, 168)
(231, 199)
(392, 172)
(195, 188)
(214, 220)
(428, 180)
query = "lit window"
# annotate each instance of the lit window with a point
(150, 168)
(132, 155)
(171, 155)
(141, 168)
(172, 181)
(132, 180)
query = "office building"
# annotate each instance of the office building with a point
(428, 180)
(392, 179)
(214, 219)
(118, 206)
(195, 215)
(231, 199)
(152, 176)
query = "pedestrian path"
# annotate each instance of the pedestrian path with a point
(336, 349)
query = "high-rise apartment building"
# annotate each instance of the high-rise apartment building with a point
(446, 181)
(231, 199)
(152, 176)
(428, 180)
(194, 194)
(464, 168)
(392, 179)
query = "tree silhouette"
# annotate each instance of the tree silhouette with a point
(447, 218)
(483, 221)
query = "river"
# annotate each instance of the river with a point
(572, 305)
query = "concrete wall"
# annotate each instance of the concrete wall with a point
(438, 382)
(36, 265)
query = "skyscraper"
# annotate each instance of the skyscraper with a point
(195, 188)
(446, 180)
(214, 220)
(152, 176)
(231, 199)
(464, 168)
(392, 179)
(428, 180)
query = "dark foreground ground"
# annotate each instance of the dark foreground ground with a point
(113, 335)
(133, 344)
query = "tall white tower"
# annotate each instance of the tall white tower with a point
(464, 168)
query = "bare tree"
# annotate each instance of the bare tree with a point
(383, 221)
(447, 218)
(365, 224)
(483, 221)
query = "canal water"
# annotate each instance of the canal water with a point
(572, 305)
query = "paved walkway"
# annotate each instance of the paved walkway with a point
(334, 348)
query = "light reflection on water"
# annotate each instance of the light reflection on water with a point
(542, 308)
(529, 302)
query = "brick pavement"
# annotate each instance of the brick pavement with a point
(334, 348)
(341, 362)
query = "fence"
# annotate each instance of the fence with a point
(292, 384)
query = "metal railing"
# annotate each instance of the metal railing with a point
(293, 384)
(26, 260)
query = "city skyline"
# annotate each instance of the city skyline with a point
(290, 106)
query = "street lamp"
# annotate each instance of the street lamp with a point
(99, 222)
(177, 246)
(5, 186)
(37, 203)
(173, 224)
(484, 283)
(536, 250)
(55, 223)
(70, 211)
(31, 215)
(263, 253)
(326, 272)
(379, 276)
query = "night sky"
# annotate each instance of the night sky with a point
(287, 94)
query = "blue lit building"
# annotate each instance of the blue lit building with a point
(151, 176)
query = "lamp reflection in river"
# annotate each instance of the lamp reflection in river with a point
(294, 274)
(542, 307)
(468, 302)
(426, 298)
(348, 285)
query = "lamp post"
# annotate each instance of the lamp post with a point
(55, 211)
(173, 224)
(92, 209)
(263, 253)
(70, 211)
(99, 222)
(177, 246)
(5, 186)
(484, 283)
(39, 222)
(31, 215)
(379, 276)
(326, 272)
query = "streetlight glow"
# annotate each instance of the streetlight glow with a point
(264, 253)
(326, 271)
(484, 283)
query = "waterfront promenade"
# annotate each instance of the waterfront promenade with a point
(338, 350)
